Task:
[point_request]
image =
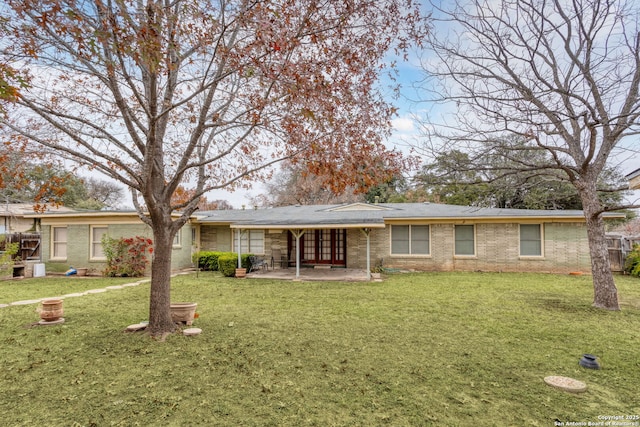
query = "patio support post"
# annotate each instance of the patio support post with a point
(297, 234)
(240, 233)
(367, 233)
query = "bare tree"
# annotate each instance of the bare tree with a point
(157, 94)
(218, 204)
(294, 184)
(495, 180)
(561, 73)
(106, 193)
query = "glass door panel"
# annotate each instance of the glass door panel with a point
(324, 246)
(309, 245)
(339, 246)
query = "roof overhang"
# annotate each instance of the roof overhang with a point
(484, 219)
(309, 226)
(90, 217)
(501, 218)
(90, 214)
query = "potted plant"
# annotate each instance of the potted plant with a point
(183, 312)
(51, 310)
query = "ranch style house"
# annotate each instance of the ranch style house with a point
(408, 236)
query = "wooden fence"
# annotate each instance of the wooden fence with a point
(29, 249)
(619, 247)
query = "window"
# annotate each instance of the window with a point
(177, 239)
(410, 239)
(59, 243)
(465, 240)
(251, 241)
(530, 240)
(97, 251)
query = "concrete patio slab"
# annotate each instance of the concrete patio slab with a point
(313, 274)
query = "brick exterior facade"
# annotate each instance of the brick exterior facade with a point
(497, 248)
(493, 246)
(78, 245)
(565, 249)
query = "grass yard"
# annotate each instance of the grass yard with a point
(453, 349)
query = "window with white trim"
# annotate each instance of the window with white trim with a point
(59, 242)
(97, 251)
(251, 241)
(410, 240)
(465, 244)
(530, 240)
(177, 239)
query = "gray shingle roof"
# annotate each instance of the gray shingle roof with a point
(360, 214)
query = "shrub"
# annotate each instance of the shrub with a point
(207, 260)
(6, 257)
(126, 257)
(632, 263)
(228, 262)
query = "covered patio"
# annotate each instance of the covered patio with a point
(316, 237)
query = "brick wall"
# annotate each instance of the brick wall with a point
(497, 249)
(78, 245)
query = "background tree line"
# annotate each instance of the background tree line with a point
(455, 177)
(44, 182)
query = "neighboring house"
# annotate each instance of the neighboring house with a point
(417, 236)
(74, 238)
(634, 180)
(13, 217)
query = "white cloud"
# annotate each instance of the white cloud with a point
(403, 124)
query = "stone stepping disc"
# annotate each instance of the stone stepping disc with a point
(566, 384)
(192, 331)
(51, 322)
(136, 327)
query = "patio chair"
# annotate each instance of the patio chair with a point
(277, 258)
(257, 263)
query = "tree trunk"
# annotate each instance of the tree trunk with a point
(605, 293)
(160, 323)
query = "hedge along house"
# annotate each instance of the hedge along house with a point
(75, 238)
(418, 236)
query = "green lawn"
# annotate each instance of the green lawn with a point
(417, 349)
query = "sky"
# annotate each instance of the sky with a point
(406, 129)
(405, 134)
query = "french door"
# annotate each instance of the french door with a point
(321, 247)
